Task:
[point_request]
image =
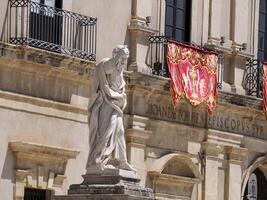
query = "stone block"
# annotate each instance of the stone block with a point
(108, 184)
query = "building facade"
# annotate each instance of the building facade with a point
(48, 52)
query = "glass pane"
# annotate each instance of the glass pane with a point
(181, 4)
(180, 19)
(169, 16)
(50, 3)
(261, 41)
(168, 31)
(169, 2)
(262, 5)
(262, 22)
(252, 187)
(261, 55)
(179, 35)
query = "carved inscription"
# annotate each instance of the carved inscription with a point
(182, 115)
(218, 121)
(243, 126)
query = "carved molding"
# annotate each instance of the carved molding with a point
(211, 149)
(138, 25)
(235, 153)
(39, 151)
(39, 166)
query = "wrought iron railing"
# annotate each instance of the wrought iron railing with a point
(157, 56)
(252, 79)
(50, 28)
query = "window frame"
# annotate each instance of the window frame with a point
(263, 32)
(183, 25)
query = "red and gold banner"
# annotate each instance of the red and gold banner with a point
(193, 74)
(264, 87)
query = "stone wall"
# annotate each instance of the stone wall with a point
(46, 124)
(44, 74)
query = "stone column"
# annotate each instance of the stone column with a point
(211, 152)
(139, 35)
(235, 156)
(205, 22)
(214, 22)
(136, 137)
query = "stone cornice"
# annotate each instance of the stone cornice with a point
(224, 138)
(40, 106)
(41, 151)
(27, 53)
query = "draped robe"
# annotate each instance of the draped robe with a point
(106, 104)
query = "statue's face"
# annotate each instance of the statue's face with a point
(125, 53)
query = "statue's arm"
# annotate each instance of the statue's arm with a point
(108, 66)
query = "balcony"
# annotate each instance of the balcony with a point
(157, 58)
(252, 78)
(49, 28)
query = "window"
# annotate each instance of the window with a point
(252, 187)
(37, 194)
(256, 186)
(177, 19)
(262, 37)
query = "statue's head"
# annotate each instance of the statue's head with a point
(121, 51)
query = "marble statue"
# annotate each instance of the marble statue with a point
(106, 105)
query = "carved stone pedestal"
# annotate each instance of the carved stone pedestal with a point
(109, 184)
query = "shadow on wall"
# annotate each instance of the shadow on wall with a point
(4, 26)
(8, 167)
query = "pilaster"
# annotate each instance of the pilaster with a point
(214, 22)
(136, 137)
(235, 157)
(211, 152)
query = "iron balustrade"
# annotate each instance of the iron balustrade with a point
(49, 28)
(34, 194)
(157, 56)
(252, 79)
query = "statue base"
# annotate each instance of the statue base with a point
(108, 184)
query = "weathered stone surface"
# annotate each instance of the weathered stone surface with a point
(229, 116)
(109, 184)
